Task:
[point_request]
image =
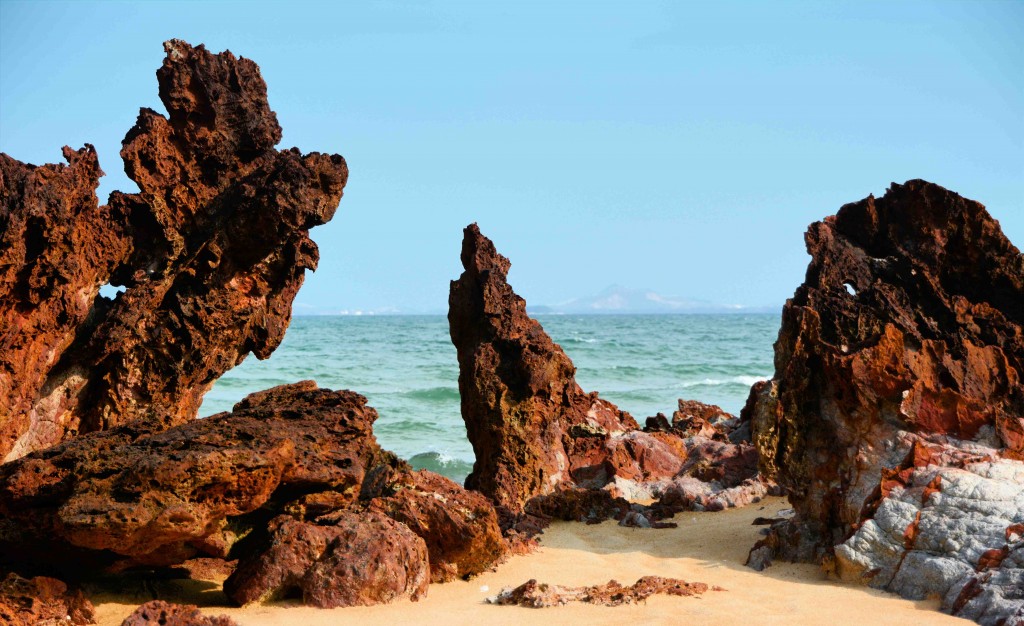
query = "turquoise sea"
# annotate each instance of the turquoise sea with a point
(406, 367)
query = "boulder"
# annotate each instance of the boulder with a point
(130, 496)
(459, 527)
(348, 558)
(42, 601)
(897, 382)
(160, 613)
(210, 254)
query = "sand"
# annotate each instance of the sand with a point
(707, 547)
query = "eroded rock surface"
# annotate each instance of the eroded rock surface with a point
(542, 444)
(42, 601)
(160, 613)
(898, 382)
(535, 595)
(460, 527)
(526, 417)
(211, 253)
(131, 496)
(348, 558)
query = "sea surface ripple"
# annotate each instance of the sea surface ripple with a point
(407, 368)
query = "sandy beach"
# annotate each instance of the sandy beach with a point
(706, 547)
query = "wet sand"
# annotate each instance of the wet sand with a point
(707, 547)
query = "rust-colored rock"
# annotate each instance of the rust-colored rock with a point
(160, 613)
(211, 253)
(525, 415)
(897, 404)
(42, 601)
(130, 496)
(536, 595)
(349, 558)
(538, 436)
(460, 527)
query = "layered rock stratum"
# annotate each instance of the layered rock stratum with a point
(895, 419)
(210, 254)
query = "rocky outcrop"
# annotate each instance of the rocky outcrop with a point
(542, 443)
(526, 417)
(292, 483)
(460, 527)
(42, 601)
(895, 417)
(536, 595)
(348, 558)
(131, 496)
(210, 253)
(160, 613)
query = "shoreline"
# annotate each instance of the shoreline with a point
(706, 547)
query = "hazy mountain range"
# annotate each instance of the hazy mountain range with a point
(613, 300)
(617, 300)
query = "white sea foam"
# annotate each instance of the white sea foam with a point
(746, 381)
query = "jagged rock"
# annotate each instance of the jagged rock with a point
(536, 595)
(525, 415)
(547, 450)
(460, 527)
(211, 253)
(348, 558)
(899, 362)
(42, 601)
(130, 496)
(160, 613)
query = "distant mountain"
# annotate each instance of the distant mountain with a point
(617, 299)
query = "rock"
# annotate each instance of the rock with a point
(42, 601)
(160, 613)
(459, 527)
(349, 558)
(520, 400)
(211, 253)
(539, 438)
(129, 496)
(899, 363)
(536, 595)
(945, 533)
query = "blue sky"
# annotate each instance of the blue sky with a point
(680, 147)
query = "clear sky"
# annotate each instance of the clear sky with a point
(681, 147)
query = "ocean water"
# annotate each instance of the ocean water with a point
(407, 368)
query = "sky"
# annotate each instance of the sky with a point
(678, 147)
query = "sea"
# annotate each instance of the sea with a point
(406, 366)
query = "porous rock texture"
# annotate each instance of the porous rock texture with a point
(291, 467)
(347, 558)
(538, 435)
(42, 601)
(535, 595)
(210, 253)
(160, 613)
(131, 496)
(895, 419)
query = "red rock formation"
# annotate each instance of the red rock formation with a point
(295, 471)
(42, 601)
(536, 595)
(131, 496)
(160, 613)
(349, 558)
(538, 437)
(460, 527)
(898, 367)
(525, 415)
(211, 252)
